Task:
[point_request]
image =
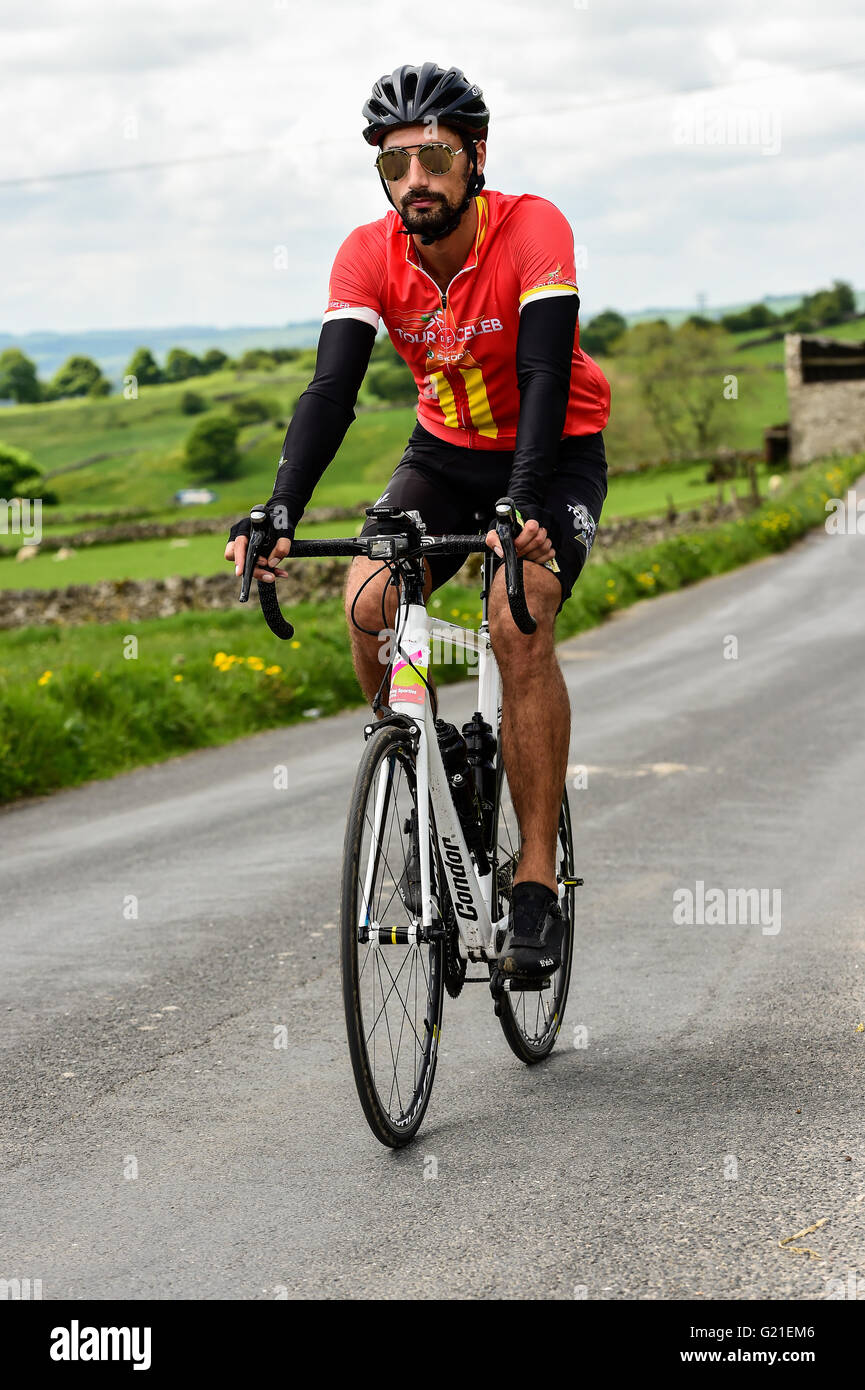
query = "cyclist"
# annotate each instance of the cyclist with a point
(478, 293)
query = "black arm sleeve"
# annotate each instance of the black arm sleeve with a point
(321, 418)
(545, 344)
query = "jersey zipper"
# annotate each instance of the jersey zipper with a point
(444, 303)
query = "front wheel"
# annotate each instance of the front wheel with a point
(531, 1019)
(392, 983)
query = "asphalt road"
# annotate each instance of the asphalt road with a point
(715, 1110)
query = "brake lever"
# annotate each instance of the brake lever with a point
(260, 538)
(257, 537)
(507, 529)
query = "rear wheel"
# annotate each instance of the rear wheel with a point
(392, 983)
(531, 1019)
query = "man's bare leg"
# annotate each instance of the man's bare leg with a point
(366, 649)
(536, 719)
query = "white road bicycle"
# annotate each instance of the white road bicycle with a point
(432, 840)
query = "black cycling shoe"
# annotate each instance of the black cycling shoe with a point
(532, 948)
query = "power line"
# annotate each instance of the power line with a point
(694, 91)
(145, 166)
(142, 167)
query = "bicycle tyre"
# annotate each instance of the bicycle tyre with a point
(395, 1105)
(532, 1041)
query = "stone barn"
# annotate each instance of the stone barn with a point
(826, 396)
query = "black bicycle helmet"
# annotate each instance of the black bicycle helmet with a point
(409, 95)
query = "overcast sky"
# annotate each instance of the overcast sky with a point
(753, 185)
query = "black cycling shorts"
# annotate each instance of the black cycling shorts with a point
(455, 489)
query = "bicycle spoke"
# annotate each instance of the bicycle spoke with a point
(390, 991)
(531, 1018)
(397, 995)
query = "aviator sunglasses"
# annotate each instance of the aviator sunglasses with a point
(434, 156)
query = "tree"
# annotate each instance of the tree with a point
(18, 380)
(251, 410)
(214, 360)
(824, 308)
(77, 377)
(144, 367)
(20, 477)
(601, 332)
(845, 295)
(211, 450)
(180, 365)
(391, 383)
(192, 404)
(256, 360)
(681, 381)
(743, 321)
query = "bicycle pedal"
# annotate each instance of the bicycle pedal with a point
(571, 882)
(516, 985)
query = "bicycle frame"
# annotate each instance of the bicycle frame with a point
(471, 894)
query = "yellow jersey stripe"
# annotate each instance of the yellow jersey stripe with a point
(548, 289)
(479, 406)
(483, 219)
(446, 399)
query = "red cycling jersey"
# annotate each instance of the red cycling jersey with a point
(461, 345)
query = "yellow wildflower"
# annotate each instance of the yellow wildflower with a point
(45, 677)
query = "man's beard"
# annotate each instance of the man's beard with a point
(426, 221)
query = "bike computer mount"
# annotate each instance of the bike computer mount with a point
(398, 531)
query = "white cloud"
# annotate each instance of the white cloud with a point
(126, 84)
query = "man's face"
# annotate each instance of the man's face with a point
(428, 201)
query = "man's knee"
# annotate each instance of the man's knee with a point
(367, 585)
(365, 590)
(543, 595)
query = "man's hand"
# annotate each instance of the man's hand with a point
(236, 551)
(532, 543)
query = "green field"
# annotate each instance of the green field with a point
(76, 703)
(774, 352)
(143, 467)
(142, 439)
(643, 494)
